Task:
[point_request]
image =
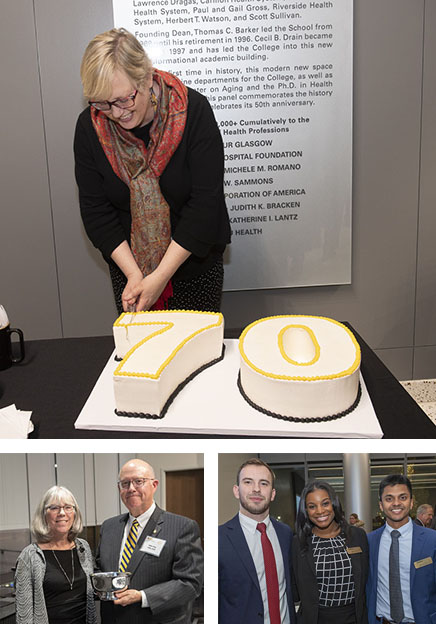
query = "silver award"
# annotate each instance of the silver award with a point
(105, 584)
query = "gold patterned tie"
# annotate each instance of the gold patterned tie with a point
(129, 546)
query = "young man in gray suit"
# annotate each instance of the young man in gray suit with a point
(161, 550)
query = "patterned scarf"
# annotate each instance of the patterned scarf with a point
(140, 168)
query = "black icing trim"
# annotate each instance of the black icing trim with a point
(174, 394)
(300, 420)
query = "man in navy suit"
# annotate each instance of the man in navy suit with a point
(244, 592)
(408, 594)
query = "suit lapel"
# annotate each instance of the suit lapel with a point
(309, 557)
(373, 558)
(418, 539)
(151, 528)
(117, 541)
(284, 547)
(237, 538)
(355, 561)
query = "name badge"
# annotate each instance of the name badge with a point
(153, 545)
(423, 562)
(353, 550)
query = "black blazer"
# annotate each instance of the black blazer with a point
(305, 587)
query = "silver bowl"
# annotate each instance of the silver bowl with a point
(105, 584)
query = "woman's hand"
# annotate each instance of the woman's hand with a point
(129, 296)
(145, 293)
(141, 292)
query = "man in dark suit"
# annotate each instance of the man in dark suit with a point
(402, 561)
(255, 560)
(161, 550)
(424, 515)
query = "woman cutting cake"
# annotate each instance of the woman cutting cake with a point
(149, 167)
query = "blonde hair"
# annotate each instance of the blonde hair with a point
(113, 50)
(54, 496)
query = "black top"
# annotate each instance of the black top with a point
(334, 573)
(305, 579)
(192, 185)
(64, 605)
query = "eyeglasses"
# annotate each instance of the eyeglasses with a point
(106, 105)
(138, 483)
(56, 508)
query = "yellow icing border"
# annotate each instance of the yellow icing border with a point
(167, 326)
(312, 337)
(345, 373)
(118, 322)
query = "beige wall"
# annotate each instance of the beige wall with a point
(92, 477)
(228, 464)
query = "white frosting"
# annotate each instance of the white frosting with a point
(298, 344)
(300, 366)
(160, 350)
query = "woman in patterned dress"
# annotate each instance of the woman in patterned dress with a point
(330, 561)
(149, 162)
(52, 576)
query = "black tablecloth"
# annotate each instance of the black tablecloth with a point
(57, 377)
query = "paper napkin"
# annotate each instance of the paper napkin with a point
(15, 423)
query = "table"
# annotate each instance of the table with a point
(58, 375)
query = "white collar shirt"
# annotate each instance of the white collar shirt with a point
(253, 537)
(405, 546)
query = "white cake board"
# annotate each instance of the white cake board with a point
(212, 404)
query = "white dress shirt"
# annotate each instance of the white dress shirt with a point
(253, 537)
(405, 547)
(142, 521)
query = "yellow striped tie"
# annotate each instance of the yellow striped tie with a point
(129, 546)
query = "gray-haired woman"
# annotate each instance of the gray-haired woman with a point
(52, 575)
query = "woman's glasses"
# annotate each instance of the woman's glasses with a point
(106, 105)
(56, 508)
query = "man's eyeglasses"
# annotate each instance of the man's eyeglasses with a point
(56, 508)
(106, 105)
(138, 483)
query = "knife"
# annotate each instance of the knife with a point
(131, 308)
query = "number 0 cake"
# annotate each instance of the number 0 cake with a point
(300, 368)
(160, 352)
